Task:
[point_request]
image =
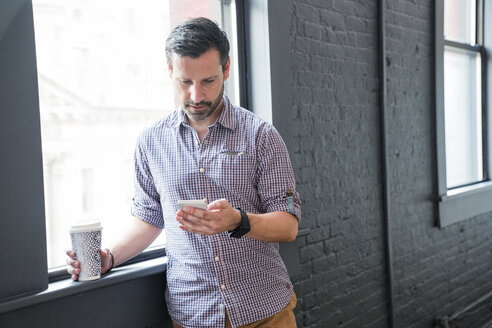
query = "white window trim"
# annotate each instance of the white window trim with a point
(461, 203)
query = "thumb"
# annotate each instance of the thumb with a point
(104, 253)
(219, 204)
(105, 260)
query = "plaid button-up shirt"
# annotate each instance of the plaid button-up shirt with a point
(244, 160)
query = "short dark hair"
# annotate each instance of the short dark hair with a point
(195, 36)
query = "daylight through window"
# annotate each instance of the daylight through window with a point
(102, 78)
(463, 93)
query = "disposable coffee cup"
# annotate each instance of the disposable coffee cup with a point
(86, 242)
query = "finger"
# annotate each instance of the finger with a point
(182, 227)
(75, 277)
(70, 253)
(194, 211)
(202, 221)
(219, 204)
(73, 271)
(195, 226)
(73, 263)
(202, 227)
(186, 216)
(105, 260)
(187, 222)
(189, 228)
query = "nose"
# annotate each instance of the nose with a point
(196, 93)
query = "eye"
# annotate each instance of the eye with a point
(186, 82)
(209, 80)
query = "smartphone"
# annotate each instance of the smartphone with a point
(199, 203)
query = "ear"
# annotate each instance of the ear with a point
(226, 68)
(169, 69)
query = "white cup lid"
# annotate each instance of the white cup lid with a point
(85, 226)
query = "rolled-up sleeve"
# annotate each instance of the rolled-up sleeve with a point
(146, 201)
(276, 181)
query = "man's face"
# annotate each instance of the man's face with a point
(199, 84)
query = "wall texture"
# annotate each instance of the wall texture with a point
(135, 303)
(337, 155)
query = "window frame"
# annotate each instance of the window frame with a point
(23, 232)
(461, 203)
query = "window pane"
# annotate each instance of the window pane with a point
(460, 21)
(102, 79)
(463, 117)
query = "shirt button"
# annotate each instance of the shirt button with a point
(216, 258)
(202, 170)
(222, 287)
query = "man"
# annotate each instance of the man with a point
(223, 267)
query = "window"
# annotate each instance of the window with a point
(462, 109)
(102, 78)
(21, 172)
(462, 93)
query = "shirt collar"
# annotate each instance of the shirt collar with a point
(226, 117)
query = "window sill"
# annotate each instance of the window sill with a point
(67, 287)
(463, 203)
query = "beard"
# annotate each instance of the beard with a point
(210, 107)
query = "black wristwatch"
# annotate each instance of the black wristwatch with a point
(243, 228)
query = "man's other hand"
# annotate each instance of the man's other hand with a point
(74, 264)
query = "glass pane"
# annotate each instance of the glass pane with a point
(102, 78)
(463, 117)
(460, 21)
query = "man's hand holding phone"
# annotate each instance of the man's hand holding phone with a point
(198, 217)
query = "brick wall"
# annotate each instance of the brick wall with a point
(337, 158)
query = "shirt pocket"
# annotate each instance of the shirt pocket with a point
(236, 169)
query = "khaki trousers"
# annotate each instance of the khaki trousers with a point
(283, 319)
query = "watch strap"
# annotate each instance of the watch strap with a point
(243, 228)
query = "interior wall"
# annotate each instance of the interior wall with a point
(438, 271)
(337, 162)
(138, 303)
(22, 227)
(338, 165)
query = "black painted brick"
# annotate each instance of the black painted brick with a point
(337, 160)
